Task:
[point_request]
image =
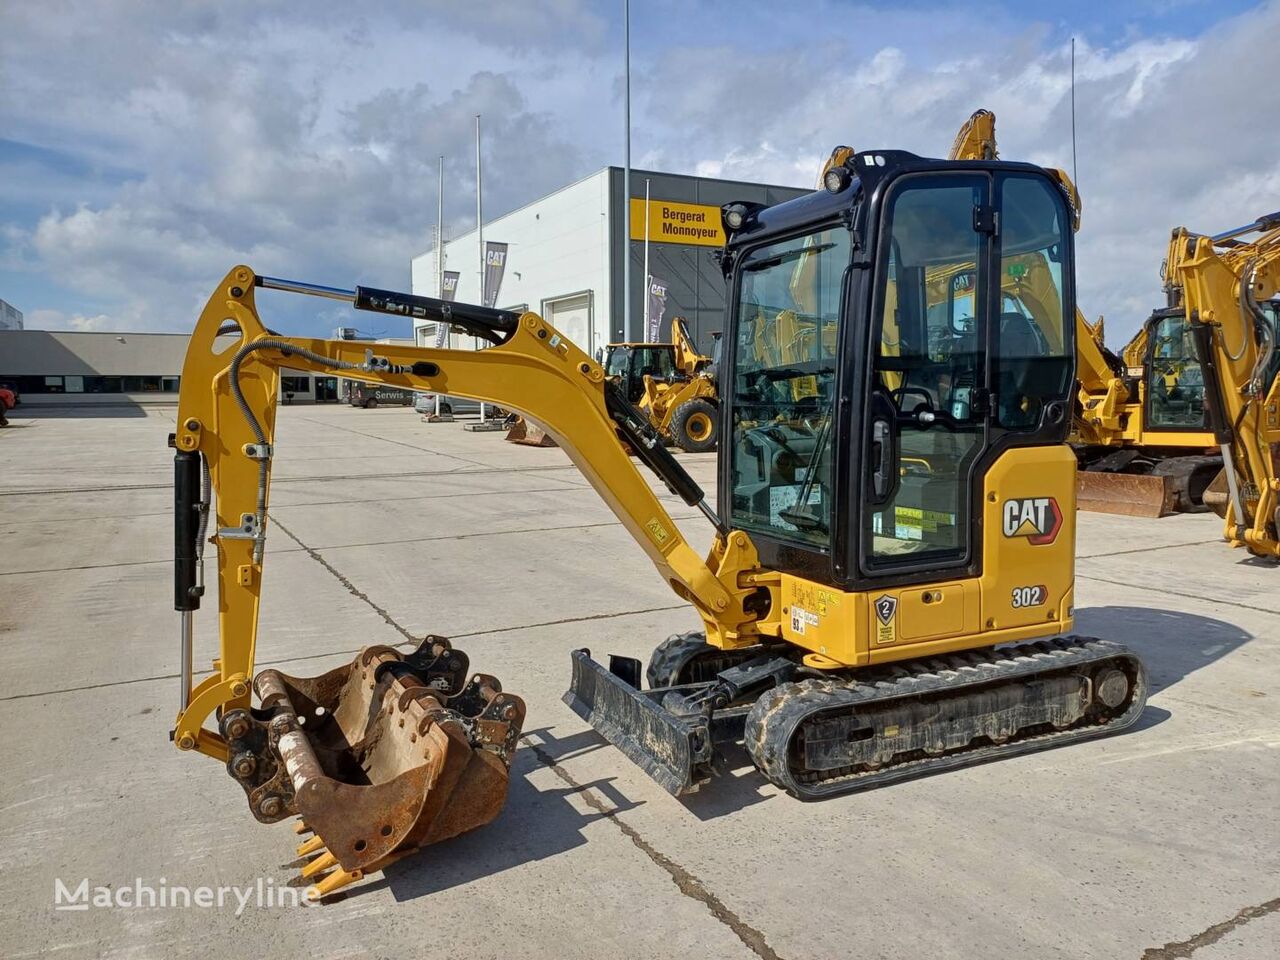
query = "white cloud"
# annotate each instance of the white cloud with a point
(58, 320)
(307, 146)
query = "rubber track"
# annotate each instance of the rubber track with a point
(778, 714)
(670, 656)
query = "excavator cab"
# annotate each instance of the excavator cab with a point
(874, 467)
(1174, 380)
(627, 364)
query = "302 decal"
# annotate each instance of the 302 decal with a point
(1030, 596)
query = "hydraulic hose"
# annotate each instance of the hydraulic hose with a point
(264, 463)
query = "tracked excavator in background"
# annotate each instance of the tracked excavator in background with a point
(1140, 427)
(890, 588)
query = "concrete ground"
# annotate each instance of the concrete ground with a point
(1159, 844)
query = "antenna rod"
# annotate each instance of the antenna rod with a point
(440, 231)
(1075, 176)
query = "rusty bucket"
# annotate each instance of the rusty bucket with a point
(379, 758)
(530, 434)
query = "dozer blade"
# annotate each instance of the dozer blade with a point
(530, 434)
(676, 751)
(1127, 494)
(378, 758)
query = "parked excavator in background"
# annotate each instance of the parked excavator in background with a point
(672, 383)
(1229, 302)
(1140, 428)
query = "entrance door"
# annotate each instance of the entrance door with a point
(928, 420)
(572, 317)
(326, 389)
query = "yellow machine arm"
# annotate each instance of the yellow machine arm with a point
(1225, 282)
(688, 360)
(225, 429)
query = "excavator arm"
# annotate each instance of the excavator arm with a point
(394, 751)
(226, 418)
(1225, 281)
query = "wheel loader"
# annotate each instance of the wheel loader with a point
(890, 589)
(673, 384)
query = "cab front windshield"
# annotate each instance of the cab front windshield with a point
(615, 365)
(783, 385)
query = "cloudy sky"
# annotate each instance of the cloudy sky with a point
(148, 145)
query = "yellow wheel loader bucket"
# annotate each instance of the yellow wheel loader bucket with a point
(378, 758)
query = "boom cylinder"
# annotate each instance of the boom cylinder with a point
(186, 562)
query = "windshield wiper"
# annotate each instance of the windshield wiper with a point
(785, 257)
(775, 374)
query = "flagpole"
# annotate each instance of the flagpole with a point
(440, 231)
(628, 333)
(646, 261)
(479, 229)
(442, 331)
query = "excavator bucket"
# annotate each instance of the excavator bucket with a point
(1217, 495)
(378, 758)
(530, 434)
(1128, 494)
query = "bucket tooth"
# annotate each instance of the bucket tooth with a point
(308, 847)
(333, 881)
(378, 758)
(326, 861)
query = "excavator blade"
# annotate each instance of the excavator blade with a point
(1127, 494)
(675, 751)
(379, 758)
(530, 434)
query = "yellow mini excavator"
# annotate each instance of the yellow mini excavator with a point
(890, 588)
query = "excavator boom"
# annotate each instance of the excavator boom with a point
(1229, 287)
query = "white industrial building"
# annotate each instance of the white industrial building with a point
(74, 368)
(565, 255)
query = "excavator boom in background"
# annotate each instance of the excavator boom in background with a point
(890, 588)
(1229, 311)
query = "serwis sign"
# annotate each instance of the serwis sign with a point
(670, 222)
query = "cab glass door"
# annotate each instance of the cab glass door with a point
(929, 400)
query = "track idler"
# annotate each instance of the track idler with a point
(379, 758)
